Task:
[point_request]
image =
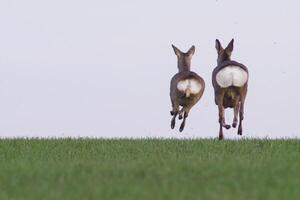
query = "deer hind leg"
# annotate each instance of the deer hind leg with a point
(242, 104)
(221, 119)
(181, 113)
(174, 112)
(186, 111)
(240, 129)
(175, 108)
(236, 112)
(219, 101)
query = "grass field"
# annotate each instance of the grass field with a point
(149, 169)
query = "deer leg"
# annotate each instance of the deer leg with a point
(173, 121)
(186, 111)
(175, 108)
(183, 121)
(221, 136)
(240, 129)
(180, 113)
(221, 119)
(174, 112)
(236, 112)
(219, 100)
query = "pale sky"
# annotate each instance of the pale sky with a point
(102, 68)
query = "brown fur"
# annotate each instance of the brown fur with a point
(179, 98)
(230, 97)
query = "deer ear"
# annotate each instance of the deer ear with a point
(191, 51)
(177, 51)
(229, 48)
(218, 46)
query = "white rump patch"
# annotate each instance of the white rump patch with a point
(189, 86)
(231, 76)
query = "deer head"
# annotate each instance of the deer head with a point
(224, 54)
(184, 59)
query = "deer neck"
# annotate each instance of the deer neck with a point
(184, 65)
(223, 58)
(220, 62)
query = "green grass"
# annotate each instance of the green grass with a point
(149, 169)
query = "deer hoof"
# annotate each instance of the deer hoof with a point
(172, 124)
(240, 131)
(227, 126)
(180, 116)
(181, 128)
(234, 124)
(221, 137)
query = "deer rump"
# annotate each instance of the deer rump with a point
(188, 86)
(230, 76)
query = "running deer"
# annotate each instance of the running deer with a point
(230, 82)
(186, 88)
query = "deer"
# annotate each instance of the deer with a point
(230, 82)
(186, 87)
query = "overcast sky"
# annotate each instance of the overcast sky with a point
(102, 68)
